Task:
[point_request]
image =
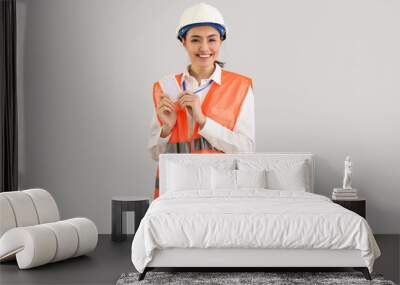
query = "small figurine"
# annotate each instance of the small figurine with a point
(347, 173)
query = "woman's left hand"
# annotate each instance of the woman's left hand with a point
(192, 103)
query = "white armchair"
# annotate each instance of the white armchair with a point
(31, 230)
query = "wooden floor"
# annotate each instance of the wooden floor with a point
(111, 259)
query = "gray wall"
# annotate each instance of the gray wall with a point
(326, 79)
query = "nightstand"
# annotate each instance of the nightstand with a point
(358, 206)
(120, 204)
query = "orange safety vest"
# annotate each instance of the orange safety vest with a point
(221, 104)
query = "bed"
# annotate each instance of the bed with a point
(245, 211)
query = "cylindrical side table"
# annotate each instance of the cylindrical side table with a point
(358, 205)
(120, 204)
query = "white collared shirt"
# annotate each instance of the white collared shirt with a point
(241, 139)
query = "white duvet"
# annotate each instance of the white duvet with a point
(250, 218)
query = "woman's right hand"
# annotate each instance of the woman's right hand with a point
(166, 111)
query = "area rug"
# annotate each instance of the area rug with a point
(269, 278)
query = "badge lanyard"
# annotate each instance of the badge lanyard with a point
(198, 90)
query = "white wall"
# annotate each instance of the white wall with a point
(326, 79)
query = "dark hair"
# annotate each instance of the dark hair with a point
(220, 63)
(183, 31)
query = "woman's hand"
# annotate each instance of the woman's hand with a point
(167, 113)
(192, 103)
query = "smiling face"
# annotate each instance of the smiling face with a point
(202, 45)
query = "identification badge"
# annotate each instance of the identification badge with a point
(170, 87)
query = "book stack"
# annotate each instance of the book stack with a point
(344, 194)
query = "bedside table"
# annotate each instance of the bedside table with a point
(120, 204)
(358, 206)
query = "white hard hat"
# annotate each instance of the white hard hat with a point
(200, 15)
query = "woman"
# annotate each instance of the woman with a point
(214, 112)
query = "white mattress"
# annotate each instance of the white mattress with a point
(250, 218)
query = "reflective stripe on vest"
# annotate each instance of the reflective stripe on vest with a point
(222, 104)
(185, 147)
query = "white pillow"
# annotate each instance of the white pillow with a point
(254, 178)
(281, 174)
(181, 177)
(223, 179)
(291, 178)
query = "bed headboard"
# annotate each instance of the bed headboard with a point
(219, 160)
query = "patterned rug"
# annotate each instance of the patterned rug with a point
(269, 278)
